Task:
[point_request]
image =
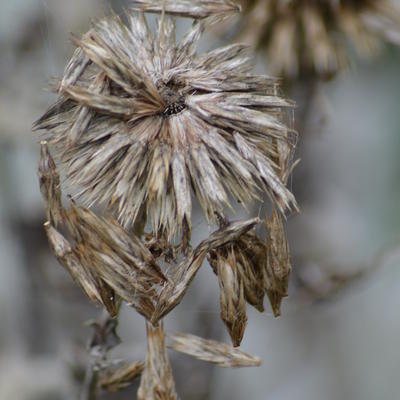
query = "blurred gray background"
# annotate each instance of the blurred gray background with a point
(338, 334)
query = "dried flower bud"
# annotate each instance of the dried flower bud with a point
(157, 382)
(233, 304)
(311, 37)
(278, 263)
(211, 351)
(117, 378)
(250, 257)
(142, 123)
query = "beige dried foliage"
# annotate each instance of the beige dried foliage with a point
(212, 351)
(303, 37)
(157, 382)
(120, 377)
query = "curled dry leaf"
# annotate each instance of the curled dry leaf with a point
(211, 351)
(157, 382)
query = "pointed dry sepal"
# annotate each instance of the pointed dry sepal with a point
(117, 378)
(117, 258)
(49, 179)
(70, 261)
(197, 9)
(157, 381)
(278, 264)
(218, 353)
(174, 290)
(278, 252)
(233, 304)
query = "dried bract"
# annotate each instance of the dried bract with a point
(157, 382)
(142, 123)
(305, 37)
(183, 274)
(278, 262)
(189, 8)
(233, 304)
(211, 351)
(49, 180)
(120, 377)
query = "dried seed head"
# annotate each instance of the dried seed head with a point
(157, 382)
(311, 36)
(142, 122)
(211, 351)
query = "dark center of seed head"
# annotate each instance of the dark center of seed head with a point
(175, 102)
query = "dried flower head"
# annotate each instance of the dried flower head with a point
(315, 36)
(142, 123)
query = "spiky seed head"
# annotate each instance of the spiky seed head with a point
(303, 37)
(143, 124)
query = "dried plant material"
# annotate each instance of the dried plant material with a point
(249, 258)
(278, 262)
(49, 180)
(211, 351)
(157, 382)
(189, 8)
(120, 377)
(70, 261)
(174, 290)
(233, 304)
(305, 37)
(143, 123)
(119, 260)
